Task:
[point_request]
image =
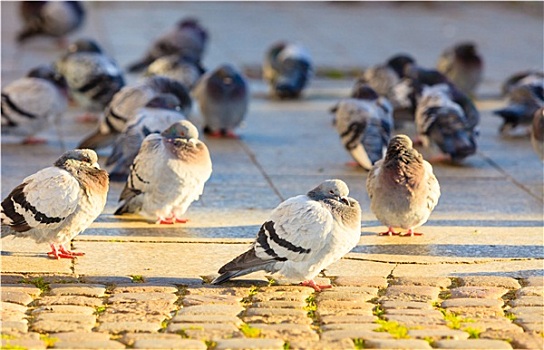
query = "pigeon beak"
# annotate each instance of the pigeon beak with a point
(95, 165)
(344, 200)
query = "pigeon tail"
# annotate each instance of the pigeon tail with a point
(27, 34)
(97, 140)
(244, 264)
(130, 205)
(139, 65)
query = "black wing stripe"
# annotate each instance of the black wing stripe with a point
(13, 106)
(269, 226)
(262, 240)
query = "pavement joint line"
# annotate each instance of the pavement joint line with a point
(254, 160)
(510, 177)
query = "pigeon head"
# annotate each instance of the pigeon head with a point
(183, 129)
(85, 45)
(398, 144)
(164, 101)
(466, 49)
(363, 91)
(331, 189)
(399, 62)
(192, 23)
(86, 157)
(226, 80)
(47, 72)
(163, 84)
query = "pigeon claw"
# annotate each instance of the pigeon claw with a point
(316, 287)
(411, 233)
(87, 118)
(62, 253)
(31, 140)
(181, 221)
(166, 221)
(389, 232)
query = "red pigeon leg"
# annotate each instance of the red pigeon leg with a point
(31, 140)
(316, 287)
(389, 232)
(411, 233)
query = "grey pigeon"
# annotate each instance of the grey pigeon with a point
(158, 114)
(537, 132)
(223, 99)
(167, 175)
(364, 125)
(382, 77)
(402, 188)
(523, 99)
(526, 77)
(92, 77)
(186, 39)
(463, 65)
(182, 69)
(51, 19)
(302, 236)
(287, 68)
(127, 101)
(57, 203)
(441, 121)
(31, 104)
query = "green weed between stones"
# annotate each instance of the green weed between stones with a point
(378, 311)
(358, 343)
(99, 310)
(473, 333)
(397, 330)
(454, 320)
(311, 307)
(210, 344)
(137, 279)
(250, 332)
(38, 282)
(49, 341)
(249, 298)
(286, 345)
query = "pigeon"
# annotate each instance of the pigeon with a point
(50, 18)
(364, 124)
(158, 114)
(127, 101)
(402, 188)
(92, 77)
(530, 77)
(524, 98)
(182, 69)
(57, 203)
(223, 98)
(167, 175)
(463, 65)
(537, 132)
(186, 39)
(287, 68)
(383, 77)
(302, 236)
(441, 121)
(30, 104)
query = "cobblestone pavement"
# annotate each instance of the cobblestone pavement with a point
(146, 287)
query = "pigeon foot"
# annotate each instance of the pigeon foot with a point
(411, 233)
(62, 253)
(87, 118)
(31, 140)
(389, 232)
(316, 287)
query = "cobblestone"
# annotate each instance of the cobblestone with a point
(397, 344)
(14, 327)
(88, 290)
(440, 282)
(358, 281)
(144, 288)
(472, 344)
(354, 334)
(23, 288)
(232, 310)
(69, 300)
(206, 331)
(169, 344)
(478, 292)
(54, 323)
(396, 304)
(527, 341)
(239, 344)
(530, 291)
(286, 331)
(64, 309)
(192, 300)
(116, 327)
(80, 336)
(25, 341)
(412, 293)
(535, 281)
(489, 281)
(528, 301)
(89, 344)
(16, 297)
(437, 334)
(344, 343)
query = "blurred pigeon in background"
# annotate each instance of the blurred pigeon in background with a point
(537, 132)
(223, 99)
(383, 77)
(364, 124)
(303, 235)
(524, 97)
(50, 18)
(287, 68)
(441, 121)
(463, 65)
(127, 101)
(92, 77)
(57, 203)
(167, 175)
(186, 39)
(32, 103)
(158, 114)
(180, 68)
(402, 188)
(526, 77)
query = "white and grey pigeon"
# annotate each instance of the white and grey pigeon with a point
(180, 68)
(127, 101)
(223, 99)
(402, 188)
(442, 122)
(524, 97)
(525, 77)
(364, 124)
(287, 68)
(57, 203)
(302, 236)
(158, 114)
(187, 38)
(383, 77)
(463, 65)
(92, 77)
(167, 175)
(54, 19)
(33, 103)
